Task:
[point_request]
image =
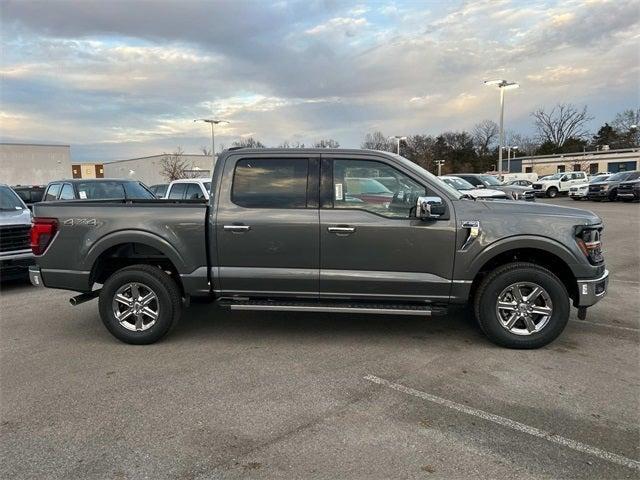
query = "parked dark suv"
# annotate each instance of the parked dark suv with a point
(94, 189)
(608, 189)
(629, 191)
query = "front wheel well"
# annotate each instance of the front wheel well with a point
(132, 253)
(545, 259)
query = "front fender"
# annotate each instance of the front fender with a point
(469, 270)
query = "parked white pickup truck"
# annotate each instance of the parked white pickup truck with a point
(558, 183)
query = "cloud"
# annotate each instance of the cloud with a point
(134, 76)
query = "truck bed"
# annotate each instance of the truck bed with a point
(89, 228)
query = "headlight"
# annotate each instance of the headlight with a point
(589, 242)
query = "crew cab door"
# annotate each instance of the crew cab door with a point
(267, 226)
(371, 245)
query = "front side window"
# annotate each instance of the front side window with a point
(270, 183)
(375, 187)
(52, 192)
(100, 190)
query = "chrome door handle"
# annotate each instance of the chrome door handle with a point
(343, 230)
(236, 228)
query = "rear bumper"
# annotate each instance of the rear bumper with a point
(76, 281)
(591, 291)
(35, 276)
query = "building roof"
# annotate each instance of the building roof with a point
(36, 144)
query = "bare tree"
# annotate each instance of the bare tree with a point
(248, 142)
(174, 166)
(526, 145)
(626, 126)
(326, 143)
(287, 144)
(563, 122)
(485, 135)
(377, 141)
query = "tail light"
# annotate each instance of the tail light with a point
(588, 240)
(42, 232)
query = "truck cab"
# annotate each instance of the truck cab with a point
(559, 183)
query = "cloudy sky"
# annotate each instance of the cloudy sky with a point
(120, 79)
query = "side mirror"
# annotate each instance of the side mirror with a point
(480, 185)
(429, 208)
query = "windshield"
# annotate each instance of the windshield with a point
(599, 178)
(490, 180)
(619, 176)
(457, 183)
(9, 200)
(557, 176)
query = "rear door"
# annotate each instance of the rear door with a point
(371, 244)
(267, 226)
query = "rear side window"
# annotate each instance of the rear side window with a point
(67, 192)
(270, 183)
(194, 192)
(52, 192)
(177, 191)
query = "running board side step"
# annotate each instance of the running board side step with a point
(364, 308)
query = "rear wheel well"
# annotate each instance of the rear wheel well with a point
(545, 259)
(133, 253)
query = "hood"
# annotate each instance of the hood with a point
(630, 182)
(513, 188)
(15, 217)
(485, 192)
(584, 217)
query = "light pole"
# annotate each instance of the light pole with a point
(439, 163)
(212, 122)
(398, 138)
(502, 85)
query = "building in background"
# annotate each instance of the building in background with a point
(33, 164)
(591, 162)
(87, 170)
(148, 169)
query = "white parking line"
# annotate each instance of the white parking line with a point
(506, 422)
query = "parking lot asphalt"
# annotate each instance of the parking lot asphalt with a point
(273, 395)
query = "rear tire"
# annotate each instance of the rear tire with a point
(552, 192)
(140, 304)
(539, 329)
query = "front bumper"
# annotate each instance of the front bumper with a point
(599, 194)
(592, 290)
(15, 264)
(628, 196)
(578, 193)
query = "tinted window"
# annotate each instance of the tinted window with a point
(52, 192)
(270, 183)
(177, 191)
(100, 190)
(194, 192)
(159, 190)
(67, 192)
(137, 190)
(9, 200)
(472, 180)
(356, 185)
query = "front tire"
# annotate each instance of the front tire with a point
(522, 305)
(139, 304)
(552, 192)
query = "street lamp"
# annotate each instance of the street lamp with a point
(398, 138)
(439, 163)
(502, 85)
(212, 122)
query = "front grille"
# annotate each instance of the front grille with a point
(573, 189)
(595, 188)
(529, 194)
(537, 186)
(14, 237)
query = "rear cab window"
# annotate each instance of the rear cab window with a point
(270, 183)
(177, 191)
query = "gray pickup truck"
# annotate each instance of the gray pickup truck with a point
(334, 231)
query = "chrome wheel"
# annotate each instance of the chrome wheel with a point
(136, 306)
(524, 308)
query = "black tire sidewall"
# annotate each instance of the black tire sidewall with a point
(487, 308)
(167, 311)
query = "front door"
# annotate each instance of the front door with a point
(267, 227)
(371, 244)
